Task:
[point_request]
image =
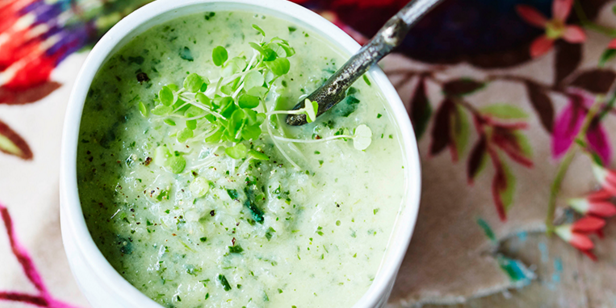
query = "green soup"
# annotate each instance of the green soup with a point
(192, 222)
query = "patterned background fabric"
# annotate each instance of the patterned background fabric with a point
(496, 105)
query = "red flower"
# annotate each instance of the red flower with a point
(605, 177)
(576, 234)
(555, 28)
(596, 204)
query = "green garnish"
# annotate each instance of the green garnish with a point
(143, 109)
(219, 55)
(231, 109)
(236, 249)
(223, 281)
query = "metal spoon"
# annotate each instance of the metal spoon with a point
(390, 36)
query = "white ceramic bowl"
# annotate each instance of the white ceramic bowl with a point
(101, 284)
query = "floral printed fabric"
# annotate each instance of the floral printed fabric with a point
(492, 123)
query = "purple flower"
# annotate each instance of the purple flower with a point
(568, 125)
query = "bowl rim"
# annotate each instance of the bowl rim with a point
(71, 205)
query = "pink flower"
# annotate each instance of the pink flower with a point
(569, 122)
(595, 204)
(576, 234)
(555, 28)
(606, 178)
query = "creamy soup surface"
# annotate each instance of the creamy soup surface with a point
(226, 232)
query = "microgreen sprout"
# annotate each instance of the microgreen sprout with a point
(226, 111)
(232, 109)
(362, 138)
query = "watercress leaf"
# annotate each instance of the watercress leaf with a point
(234, 66)
(160, 156)
(310, 109)
(259, 29)
(169, 122)
(180, 106)
(236, 121)
(251, 132)
(257, 155)
(173, 87)
(161, 110)
(238, 151)
(256, 47)
(288, 50)
(279, 66)
(227, 89)
(216, 136)
(211, 118)
(227, 106)
(219, 55)
(253, 79)
(280, 52)
(143, 109)
(260, 118)
(166, 96)
(199, 187)
(248, 101)
(185, 134)
(203, 99)
(257, 91)
(251, 117)
(362, 138)
(176, 164)
(193, 82)
(191, 124)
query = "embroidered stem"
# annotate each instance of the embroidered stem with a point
(566, 162)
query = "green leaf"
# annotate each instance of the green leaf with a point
(362, 138)
(257, 155)
(192, 124)
(504, 111)
(193, 111)
(234, 66)
(176, 164)
(166, 96)
(161, 110)
(193, 82)
(223, 281)
(185, 134)
(259, 29)
(216, 136)
(248, 101)
(310, 109)
(219, 55)
(257, 91)
(143, 109)
(236, 249)
(461, 131)
(253, 79)
(279, 66)
(607, 55)
(169, 122)
(507, 193)
(278, 49)
(199, 187)
(267, 53)
(238, 151)
(227, 106)
(161, 155)
(524, 143)
(203, 99)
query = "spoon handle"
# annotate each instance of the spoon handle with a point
(390, 36)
